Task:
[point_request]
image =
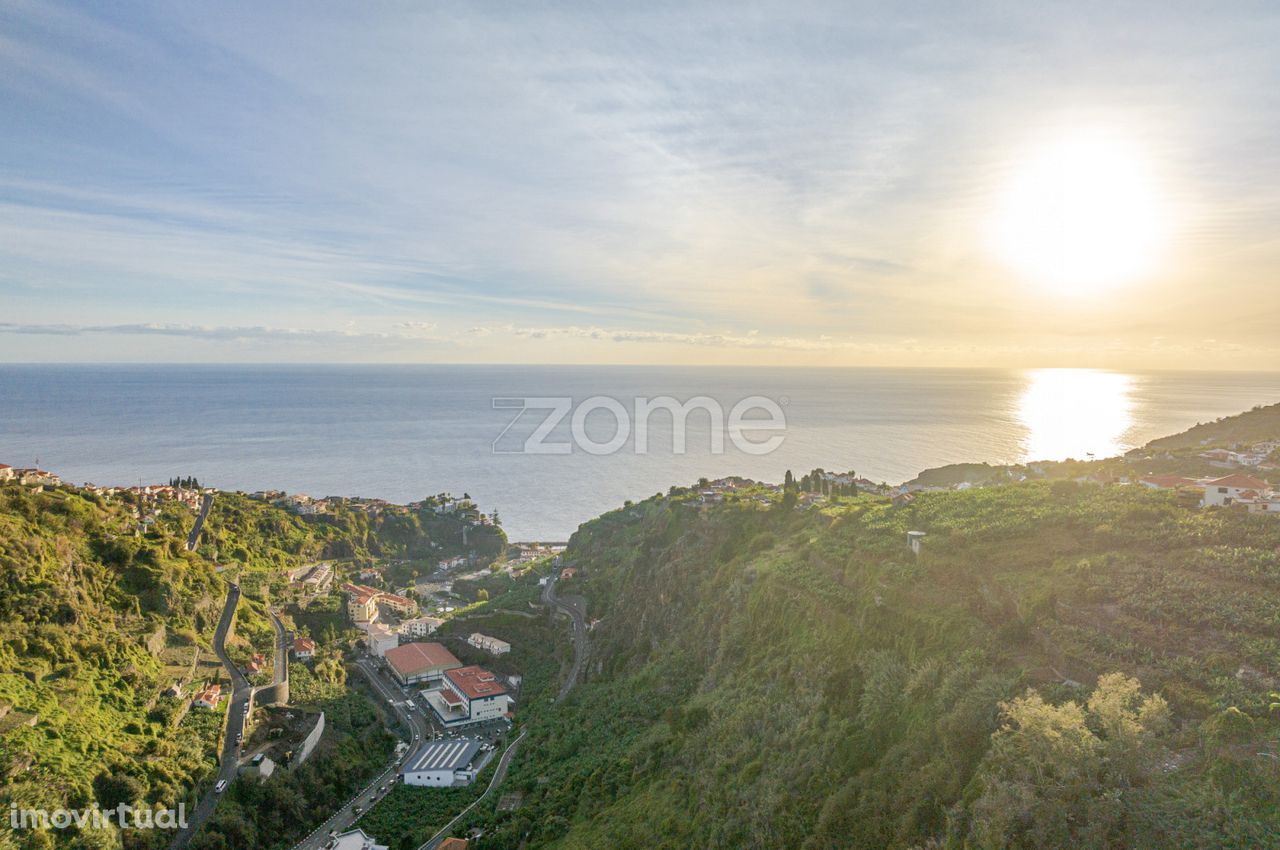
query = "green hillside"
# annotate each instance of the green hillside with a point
(99, 618)
(1261, 423)
(1065, 665)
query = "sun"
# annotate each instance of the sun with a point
(1082, 216)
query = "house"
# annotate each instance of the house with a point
(6, 472)
(1224, 491)
(208, 698)
(491, 645)
(36, 477)
(443, 764)
(420, 662)
(568, 573)
(468, 695)
(452, 844)
(256, 663)
(1166, 482)
(380, 638)
(304, 648)
(356, 839)
(420, 627)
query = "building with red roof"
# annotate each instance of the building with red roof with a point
(469, 695)
(420, 662)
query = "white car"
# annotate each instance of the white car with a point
(220, 787)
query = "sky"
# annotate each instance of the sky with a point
(740, 183)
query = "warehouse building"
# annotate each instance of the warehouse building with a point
(420, 662)
(443, 764)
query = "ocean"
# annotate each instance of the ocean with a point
(403, 432)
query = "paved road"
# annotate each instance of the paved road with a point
(194, 537)
(280, 666)
(419, 732)
(574, 609)
(499, 774)
(241, 691)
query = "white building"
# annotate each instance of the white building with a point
(420, 627)
(356, 839)
(443, 764)
(468, 695)
(1221, 492)
(491, 645)
(379, 638)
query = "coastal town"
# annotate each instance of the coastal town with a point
(453, 691)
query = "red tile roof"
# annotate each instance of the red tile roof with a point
(413, 658)
(475, 682)
(304, 645)
(1239, 482)
(1166, 482)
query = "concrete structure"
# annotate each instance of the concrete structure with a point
(442, 764)
(379, 638)
(491, 645)
(915, 539)
(420, 662)
(308, 744)
(420, 627)
(469, 695)
(356, 839)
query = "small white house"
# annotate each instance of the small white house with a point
(491, 645)
(1221, 492)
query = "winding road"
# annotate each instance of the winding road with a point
(241, 692)
(574, 609)
(419, 731)
(194, 537)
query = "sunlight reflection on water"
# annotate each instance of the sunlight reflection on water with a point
(1074, 413)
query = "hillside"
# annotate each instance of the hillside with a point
(98, 618)
(1064, 665)
(1261, 423)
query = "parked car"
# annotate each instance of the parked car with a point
(220, 787)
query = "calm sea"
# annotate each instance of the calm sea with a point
(402, 432)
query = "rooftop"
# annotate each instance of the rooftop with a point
(444, 755)
(1240, 481)
(475, 682)
(412, 658)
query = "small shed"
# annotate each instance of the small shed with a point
(915, 539)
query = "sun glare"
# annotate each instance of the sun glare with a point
(1075, 413)
(1081, 217)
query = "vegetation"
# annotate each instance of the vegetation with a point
(1064, 665)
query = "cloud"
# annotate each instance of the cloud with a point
(405, 331)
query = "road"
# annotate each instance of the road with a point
(280, 666)
(194, 537)
(241, 691)
(499, 774)
(419, 734)
(573, 609)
